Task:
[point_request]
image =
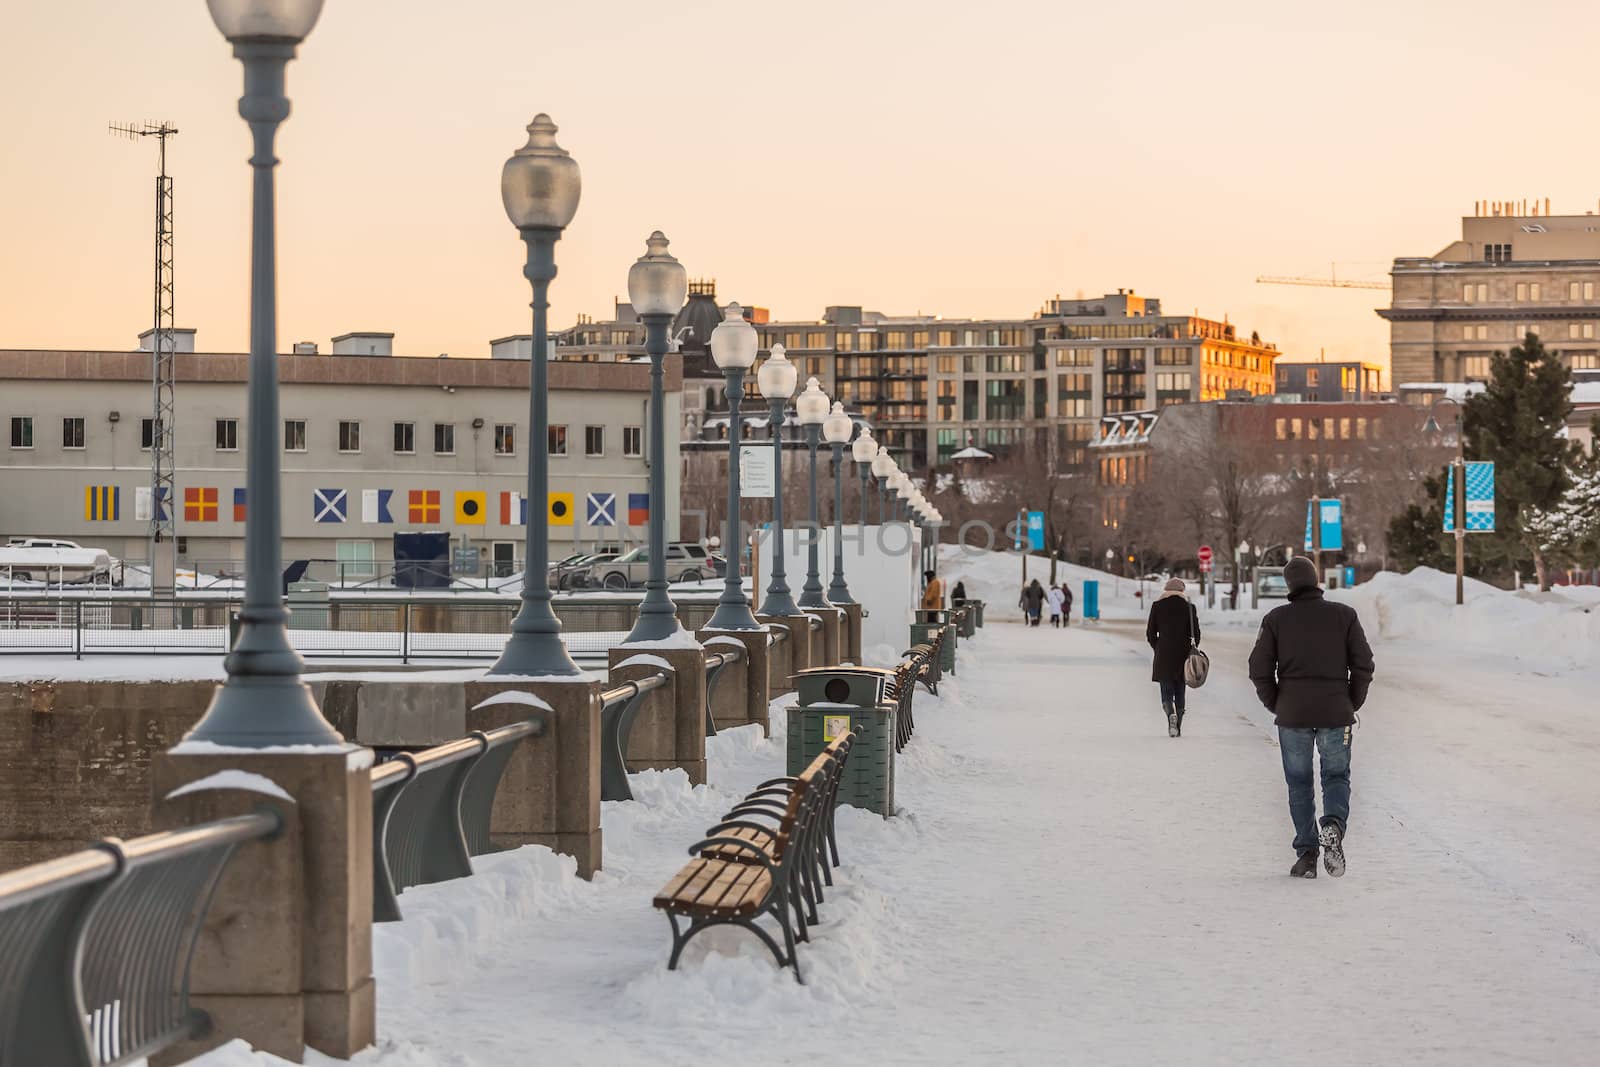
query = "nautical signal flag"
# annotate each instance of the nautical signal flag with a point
(513, 509)
(472, 508)
(143, 495)
(102, 503)
(375, 505)
(561, 508)
(600, 509)
(199, 505)
(239, 501)
(638, 509)
(329, 505)
(424, 505)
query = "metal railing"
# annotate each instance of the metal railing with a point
(95, 947)
(431, 810)
(618, 708)
(716, 664)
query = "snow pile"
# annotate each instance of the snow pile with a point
(1555, 629)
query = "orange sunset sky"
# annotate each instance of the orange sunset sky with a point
(965, 159)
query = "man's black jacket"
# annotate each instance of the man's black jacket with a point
(1312, 665)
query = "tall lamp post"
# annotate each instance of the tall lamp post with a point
(263, 702)
(1458, 503)
(657, 287)
(539, 186)
(733, 349)
(882, 468)
(862, 452)
(812, 409)
(777, 378)
(836, 429)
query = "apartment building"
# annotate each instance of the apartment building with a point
(1516, 269)
(1329, 382)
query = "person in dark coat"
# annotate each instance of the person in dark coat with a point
(1312, 668)
(1033, 602)
(1066, 604)
(958, 595)
(1174, 625)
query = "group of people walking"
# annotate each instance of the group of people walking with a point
(1035, 598)
(1312, 668)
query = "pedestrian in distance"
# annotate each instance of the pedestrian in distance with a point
(1066, 605)
(1173, 628)
(1312, 668)
(933, 592)
(958, 595)
(1053, 598)
(1033, 602)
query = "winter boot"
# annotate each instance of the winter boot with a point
(1332, 840)
(1305, 866)
(1172, 719)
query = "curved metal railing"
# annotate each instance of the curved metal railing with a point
(716, 663)
(431, 810)
(95, 947)
(618, 708)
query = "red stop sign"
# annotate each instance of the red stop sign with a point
(1204, 555)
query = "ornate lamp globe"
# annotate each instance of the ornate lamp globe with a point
(777, 376)
(812, 407)
(540, 183)
(883, 463)
(733, 342)
(865, 447)
(265, 20)
(837, 427)
(657, 282)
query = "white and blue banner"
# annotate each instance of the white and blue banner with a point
(601, 509)
(375, 505)
(1480, 498)
(1328, 517)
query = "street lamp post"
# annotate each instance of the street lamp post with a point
(812, 409)
(657, 287)
(539, 186)
(882, 467)
(777, 379)
(1458, 502)
(862, 452)
(733, 349)
(836, 429)
(263, 702)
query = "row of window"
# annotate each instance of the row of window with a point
(1328, 428)
(405, 437)
(893, 340)
(1525, 292)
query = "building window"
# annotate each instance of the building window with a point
(147, 434)
(947, 399)
(556, 440)
(227, 435)
(1527, 291)
(405, 438)
(356, 559)
(71, 433)
(969, 401)
(294, 435)
(349, 436)
(22, 431)
(1497, 253)
(1313, 377)
(633, 440)
(1475, 293)
(594, 440)
(444, 438)
(505, 439)
(1583, 360)
(1004, 399)
(1475, 368)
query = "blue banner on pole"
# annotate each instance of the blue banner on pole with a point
(1091, 599)
(1036, 530)
(1328, 517)
(1480, 498)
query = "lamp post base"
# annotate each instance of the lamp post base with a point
(531, 654)
(659, 625)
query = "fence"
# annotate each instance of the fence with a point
(95, 947)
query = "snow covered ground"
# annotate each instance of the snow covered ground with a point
(1065, 884)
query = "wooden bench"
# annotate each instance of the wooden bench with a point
(767, 858)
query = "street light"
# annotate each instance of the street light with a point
(657, 287)
(1458, 506)
(733, 349)
(862, 452)
(777, 379)
(263, 702)
(836, 429)
(812, 409)
(539, 186)
(882, 467)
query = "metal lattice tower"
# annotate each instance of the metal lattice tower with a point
(163, 372)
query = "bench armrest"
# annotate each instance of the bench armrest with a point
(732, 842)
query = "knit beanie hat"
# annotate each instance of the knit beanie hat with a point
(1175, 585)
(1301, 573)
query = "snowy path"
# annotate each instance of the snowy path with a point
(1064, 885)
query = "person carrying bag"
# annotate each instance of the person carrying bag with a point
(1174, 635)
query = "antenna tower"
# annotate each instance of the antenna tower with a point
(163, 372)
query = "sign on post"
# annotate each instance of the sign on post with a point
(1205, 557)
(1324, 525)
(1035, 530)
(756, 471)
(1480, 498)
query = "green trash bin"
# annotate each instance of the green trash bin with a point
(924, 633)
(833, 702)
(979, 605)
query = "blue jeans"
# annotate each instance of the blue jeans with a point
(1333, 742)
(1173, 693)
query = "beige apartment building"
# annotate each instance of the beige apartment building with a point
(372, 444)
(1511, 272)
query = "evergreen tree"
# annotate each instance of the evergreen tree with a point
(1416, 535)
(1518, 422)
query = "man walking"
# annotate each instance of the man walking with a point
(1312, 668)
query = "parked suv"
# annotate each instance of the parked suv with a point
(686, 562)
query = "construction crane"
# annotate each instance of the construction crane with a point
(163, 372)
(1332, 281)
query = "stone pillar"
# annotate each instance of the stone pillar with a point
(670, 729)
(550, 794)
(792, 656)
(757, 665)
(828, 637)
(285, 960)
(853, 616)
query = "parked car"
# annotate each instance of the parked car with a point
(686, 562)
(573, 572)
(1272, 586)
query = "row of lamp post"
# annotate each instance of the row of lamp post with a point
(264, 701)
